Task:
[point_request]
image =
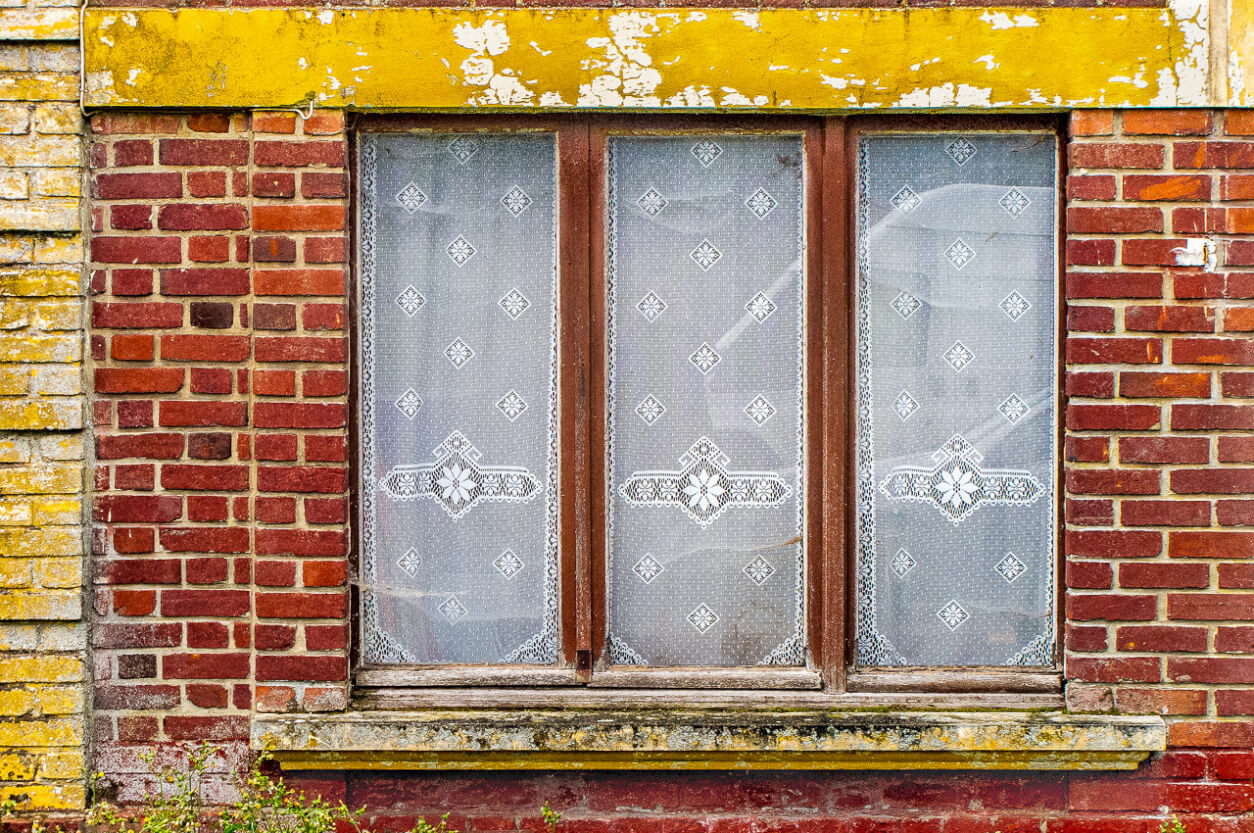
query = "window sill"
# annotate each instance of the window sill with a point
(671, 739)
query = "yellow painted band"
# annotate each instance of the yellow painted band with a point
(688, 59)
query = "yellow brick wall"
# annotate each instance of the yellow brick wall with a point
(43, 634)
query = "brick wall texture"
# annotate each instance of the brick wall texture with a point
(219, 357)
(43, 636)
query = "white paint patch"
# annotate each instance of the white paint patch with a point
(947, 95)
(326, 17)
(491, 37)
(628, 77)
(552, 99)
(499, 87)
(732, 98)
(302, 63)
(1189, 84)
(537, 48)
(132, 75)
(130, 19)
(1236, 81)
(1137, 80)
(1001, 20)
(690, 96)
(989, 62)
(750, 19)
(776, 67)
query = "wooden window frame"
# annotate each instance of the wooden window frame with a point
(830, 193)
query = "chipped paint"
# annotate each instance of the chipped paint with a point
(441, 59)
(1240, 66)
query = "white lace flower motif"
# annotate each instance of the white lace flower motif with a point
(957, 487)
(703, 491)
(455, 483)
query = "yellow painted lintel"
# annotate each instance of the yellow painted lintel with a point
(684, 59)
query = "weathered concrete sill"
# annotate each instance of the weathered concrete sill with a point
(729, 739)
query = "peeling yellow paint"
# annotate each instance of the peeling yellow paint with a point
(798, 59)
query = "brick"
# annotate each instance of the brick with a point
(301, 479)
(136, 696)
(301, 605)
(208, 249)
(295, 154)
(136, 315)
(150, 446)
(136, 249)
(1091, 123)
(1093, 187)
(1210, 607)
(1086, 638)
(137, 509)
(323, 186)
(1213, 155)
(1090, 512)
(197, 217)
(1232, 703)
(1091, 252)
(207, 696)
(132, 153)
(270, 184)
(276, 447)
(1150, 385)
(1213, 351)
(215, 446)
(274, 316)
(1154, 575)
(1151, 252)
(1113, 417)
(187, 348)
(1191, 285)
(1216, 670)
(301, 542)
(1112, 607)
(1239, 319)
(1164, 512)
(1234, 640)
(1115, 155)
(326, 449)
(299, 282)
(276, 510)
(141, 571)
(1089, 575)
(1237, 385)
(1166, 187)
(138, 380)
(134, 602)
(206, 508)
(1167, 122)
(1169, 319)
(204, 603)
(205, 281)
(298, 218)
(1113, 543)
(130, 347)
(203, 152)
(1235, 512)
(211, 478)
(1210, 544)
(301, 349)
(146, 186)
(299, 415)
(1114, 350)
(274, 250)
(271, 668)
(325, 250)
(213, 316)
(1235, 576)
(1112, 481)
(206, 183)
(1219, 481)
(1094, 384)
(1188, 417)
(131, 281)
(162, 635)
(179, 414)
(1113, 220)
(1160, 700)
(205, 539)
(1090, 319)
(323, 316)
(211, 380)
(1125, 669)
(1114, 285)
(274, 383)
(1163, 638)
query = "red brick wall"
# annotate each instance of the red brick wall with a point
(220, 355)
(220, 364)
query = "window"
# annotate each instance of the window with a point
(769, 403)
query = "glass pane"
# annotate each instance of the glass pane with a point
(956, 390)
(458, 406)
(705, 401)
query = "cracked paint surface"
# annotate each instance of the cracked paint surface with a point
(692, 59)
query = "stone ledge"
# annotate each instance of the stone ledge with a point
(726, 739)
(39, 25)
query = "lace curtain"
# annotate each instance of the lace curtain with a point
(458, 398)
(706, 401)
(956, 390)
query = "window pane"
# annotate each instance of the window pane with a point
(458, 406)
(956, 390)
(705, 401)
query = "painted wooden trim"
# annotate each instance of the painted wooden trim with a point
(437, 59)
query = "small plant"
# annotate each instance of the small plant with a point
(176, 804)
(1172, 825)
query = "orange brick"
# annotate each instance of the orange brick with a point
(1168, 122)
(1092, 123)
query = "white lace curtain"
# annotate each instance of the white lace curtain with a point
(705, 401)
(458, 398)
(956, 391)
